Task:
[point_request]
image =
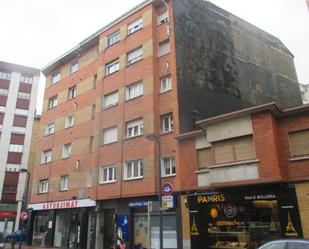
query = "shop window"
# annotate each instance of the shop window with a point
(234, 150)
(299, 143)
(133, 170)
(168, 166)
(110, 135)
(40, 228)
(204, 158)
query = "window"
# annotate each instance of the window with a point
(46, 156)
(167, 123)
(164, 48)
(135, 26)
(23, 95)
(55, 78)
(162, 18)
(166, 84)
(134, 90)
(113, 38)
(93, 111)
(66, 150)
(299, 143)
(43, 186)
(135, 56)
(134, 128)
(69, 121)
(5, 75)
(204, 158)
(91, 140)
(112, 67)
(168, 166)
(26, 79)
(110, 99)
(64, 183)
(94, 81)
(16, 148)
(4, 92)
(74, 67)
(133, 170)
(50, 129)
(52, 102)
(72, 92)
(108, 174)
(88, 179)
(234, 150)
(110, 135)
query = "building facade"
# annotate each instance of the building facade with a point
(96, 170)
(304, 90)
(18, 95)
(249, 178)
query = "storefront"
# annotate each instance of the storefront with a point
(62, 224)
(130, 219)
(243, 218)
(7, 220)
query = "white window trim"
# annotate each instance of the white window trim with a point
(107, 169)
(68, 124)
(138, 54)
(43, 186)
(72, 92)
(26, 79)
(23, 95)
(166, 45)
(170, 123)
(135, 125)
(4, 92)
(114, 65)
(48, 127)
(5, 75)
(168, 84)
(110, 95)
(171, 163)
(140, 165)
(55, 78)
(111, 38)
(74, 67)
(53, 102)
(46, 156)
(66, 151)
(135, 26)
(162, 18)
(64, 183)
(18, 148)
(132, 87)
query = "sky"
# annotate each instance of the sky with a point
(35, 32)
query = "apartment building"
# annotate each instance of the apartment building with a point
(249, 178)
(18, 95)
(155, 70)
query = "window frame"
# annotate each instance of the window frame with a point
(136, 94)
(162, 18)
(140, 169)
(55, 78)
(26, 79)
(111, 38)
(105, 174)
(161, 44)
(140, 55)
(17, 148)
(66, 151)
(115, 128)
(49, 126)
(135, 26)
(107, 95)
(4, 92)
(171, 166)
(68, 124)
(5, 75)
(46, 154)
(74, 67)
(293, 153)
(43, 186)
(64, 183)
(72, 92)
(163, 117)
(53, 102)
(168, 80)
(131, 125)
(111, 64)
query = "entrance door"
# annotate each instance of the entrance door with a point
(109, 230)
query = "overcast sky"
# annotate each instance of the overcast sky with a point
(35, 32)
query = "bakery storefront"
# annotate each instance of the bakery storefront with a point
(62, 224)
(243, 218)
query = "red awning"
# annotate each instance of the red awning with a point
(7, 215)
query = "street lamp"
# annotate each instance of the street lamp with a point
(155, 138)
(24, 200)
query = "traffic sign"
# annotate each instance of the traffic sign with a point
(167, 188)
(167, 201)
(24, 215)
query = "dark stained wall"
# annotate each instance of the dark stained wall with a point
(225, 64)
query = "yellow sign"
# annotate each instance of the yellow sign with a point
(210, 198)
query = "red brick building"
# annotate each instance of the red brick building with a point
(156, 69)
(249, 177)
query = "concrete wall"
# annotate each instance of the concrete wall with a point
(227, 64)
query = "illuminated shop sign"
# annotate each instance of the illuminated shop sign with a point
(63, 204)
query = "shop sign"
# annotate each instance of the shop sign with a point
(63, 204)
(167, 188)
(167, 201)
(210, 198)
(138, 204)
(7, 215)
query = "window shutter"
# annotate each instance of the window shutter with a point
(204, 158)
(244, 149)
(299, 143)
(164, 48)
(111, 99)
(110, 135)
(223, 152)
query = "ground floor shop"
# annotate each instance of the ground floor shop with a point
(243, 217)
(62, 224)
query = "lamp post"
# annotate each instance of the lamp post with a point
(155, 138)
(24, 200)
